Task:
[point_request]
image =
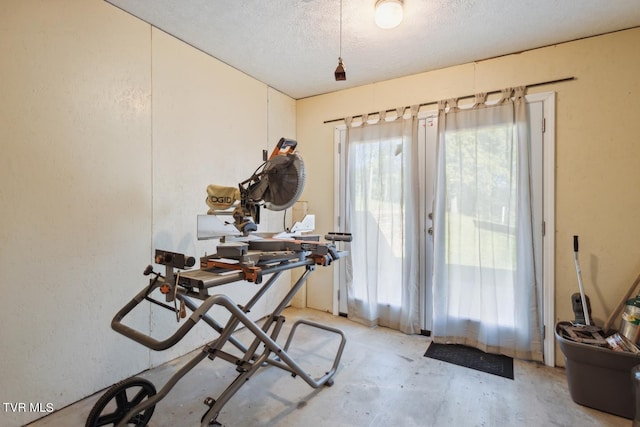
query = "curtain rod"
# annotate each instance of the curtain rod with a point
(566, 79)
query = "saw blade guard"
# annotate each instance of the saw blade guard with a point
(276, 184)
(281, 182)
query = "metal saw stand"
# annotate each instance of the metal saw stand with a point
(181, 287)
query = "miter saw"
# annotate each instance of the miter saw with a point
(277, 184)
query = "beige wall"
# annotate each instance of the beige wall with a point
(597, 152)
(75, 201)
(110, 132)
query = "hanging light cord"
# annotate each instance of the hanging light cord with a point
(340, 56)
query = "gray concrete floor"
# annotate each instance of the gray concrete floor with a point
(383, 380)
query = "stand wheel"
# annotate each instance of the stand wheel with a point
(111, 408)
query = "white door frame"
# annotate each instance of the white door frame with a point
(548, 100)
(339, 269)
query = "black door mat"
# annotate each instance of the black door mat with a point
(469, 357)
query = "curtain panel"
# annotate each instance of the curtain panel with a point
(382, 215)
(484, 286)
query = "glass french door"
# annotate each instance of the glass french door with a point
(539, 107)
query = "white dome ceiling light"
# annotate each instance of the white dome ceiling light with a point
(388, 13)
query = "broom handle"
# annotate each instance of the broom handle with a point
(585, 309)
(621, 304)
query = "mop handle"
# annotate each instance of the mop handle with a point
(579, 274)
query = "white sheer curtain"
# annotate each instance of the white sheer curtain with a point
(381, 213)
(484, 282)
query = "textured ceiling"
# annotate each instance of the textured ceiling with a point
(293, 45)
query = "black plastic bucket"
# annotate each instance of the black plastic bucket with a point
(598, 377)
